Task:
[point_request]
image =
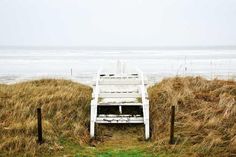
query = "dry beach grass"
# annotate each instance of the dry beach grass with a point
(205, 116)
(65, 107)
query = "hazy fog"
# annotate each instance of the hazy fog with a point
(117, 22)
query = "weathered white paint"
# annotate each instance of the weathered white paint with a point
(119, 104)
(120, 89)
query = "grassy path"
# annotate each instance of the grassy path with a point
(126, 142)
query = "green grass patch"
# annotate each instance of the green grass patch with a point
(117, 153)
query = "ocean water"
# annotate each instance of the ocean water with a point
(20, 65)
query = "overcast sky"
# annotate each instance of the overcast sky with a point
(117, 23)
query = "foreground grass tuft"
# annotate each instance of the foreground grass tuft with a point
(205, 116)
(65, 112)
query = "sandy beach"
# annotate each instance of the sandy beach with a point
(81, 66)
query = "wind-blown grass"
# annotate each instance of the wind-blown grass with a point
(65, 112)
(205, 116)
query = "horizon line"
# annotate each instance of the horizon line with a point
(46, 47)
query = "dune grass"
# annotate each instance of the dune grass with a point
(65, 112)
(205, 116)
(205, 120)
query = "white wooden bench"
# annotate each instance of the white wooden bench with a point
(120, 90)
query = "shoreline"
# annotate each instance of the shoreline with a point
(88, 79)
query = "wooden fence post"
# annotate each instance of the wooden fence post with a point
(172, 123)
(40, 132)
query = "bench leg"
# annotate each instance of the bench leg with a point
(92, 120)
(92, 129)
(146, 121)
(147, 131)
